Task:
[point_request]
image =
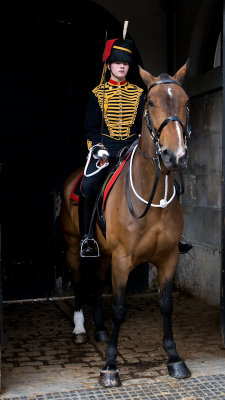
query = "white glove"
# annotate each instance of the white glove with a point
(99, 151)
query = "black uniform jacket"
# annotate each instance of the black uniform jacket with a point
(123, 112)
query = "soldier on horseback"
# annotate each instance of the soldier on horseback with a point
(114, 116)
(113, 122)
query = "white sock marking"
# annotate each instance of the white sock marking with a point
(79, 322)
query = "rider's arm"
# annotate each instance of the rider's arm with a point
(92, 122)
(140, 112)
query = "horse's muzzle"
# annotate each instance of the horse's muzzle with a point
(174, 161)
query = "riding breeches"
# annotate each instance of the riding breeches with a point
(91, 184)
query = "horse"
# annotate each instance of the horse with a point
(138, 230)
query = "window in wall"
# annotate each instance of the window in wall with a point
(217, 57)
(211, 51)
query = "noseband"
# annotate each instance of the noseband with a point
(156, 134)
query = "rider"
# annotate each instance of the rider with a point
(123, 105)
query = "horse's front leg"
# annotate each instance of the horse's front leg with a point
(109, 376)
(100, 334)
(176, 366)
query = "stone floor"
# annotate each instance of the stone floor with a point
(39, 356)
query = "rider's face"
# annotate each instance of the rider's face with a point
(118, 70)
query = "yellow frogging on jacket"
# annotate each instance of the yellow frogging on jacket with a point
(120, 107)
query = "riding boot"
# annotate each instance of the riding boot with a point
(184, 247)
(89, 246)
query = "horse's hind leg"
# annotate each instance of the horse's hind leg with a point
(176, 366)
(73, 261)
(79, 332)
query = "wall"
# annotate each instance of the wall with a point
(200, 272)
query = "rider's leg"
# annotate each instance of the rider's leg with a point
(89, 247)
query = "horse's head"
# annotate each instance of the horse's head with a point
(167, 116)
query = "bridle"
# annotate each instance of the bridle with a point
(155, 136)
(156, 133)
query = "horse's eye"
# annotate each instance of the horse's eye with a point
(150, 103)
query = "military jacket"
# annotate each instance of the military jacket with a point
(123, 111)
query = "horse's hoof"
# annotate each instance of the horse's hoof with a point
(179, 370)
(109, 378)
(80, 338)
(101, 336)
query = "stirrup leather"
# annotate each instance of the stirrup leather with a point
(89, 243)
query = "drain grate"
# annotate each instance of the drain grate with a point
(201, 388)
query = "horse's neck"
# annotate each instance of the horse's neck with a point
(146, 164)
(146, 144)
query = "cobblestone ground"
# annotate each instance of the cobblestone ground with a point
(39, 356)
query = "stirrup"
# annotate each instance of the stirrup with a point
(89, 248)
(184, 247)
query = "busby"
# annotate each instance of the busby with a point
(118, 50)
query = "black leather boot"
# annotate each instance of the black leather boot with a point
(89, 246)
(184, 247)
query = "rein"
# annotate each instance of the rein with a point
(163, 202)
(155, 136)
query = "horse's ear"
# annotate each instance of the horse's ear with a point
(180, 74)
(146, 76)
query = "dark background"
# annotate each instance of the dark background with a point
(50, 60)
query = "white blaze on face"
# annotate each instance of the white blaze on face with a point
(170, 93)
(180, 151)
(78, 322)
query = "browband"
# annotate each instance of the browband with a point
(164, 81)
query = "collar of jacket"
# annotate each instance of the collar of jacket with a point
(114, 83)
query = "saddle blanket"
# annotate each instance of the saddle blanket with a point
(108, 184)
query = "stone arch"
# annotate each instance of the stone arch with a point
(202, 42)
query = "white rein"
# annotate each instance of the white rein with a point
(163, 202)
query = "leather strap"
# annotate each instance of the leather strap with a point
(164, 81)
(151, 196)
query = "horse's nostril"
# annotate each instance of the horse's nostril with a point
(184, 157)
(166, 154)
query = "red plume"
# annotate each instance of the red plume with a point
(108, 49)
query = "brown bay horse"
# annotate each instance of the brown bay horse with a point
(138, 230)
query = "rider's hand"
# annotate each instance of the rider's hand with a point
(100, 152)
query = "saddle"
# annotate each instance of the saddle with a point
(104, 190)
(110, 180)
